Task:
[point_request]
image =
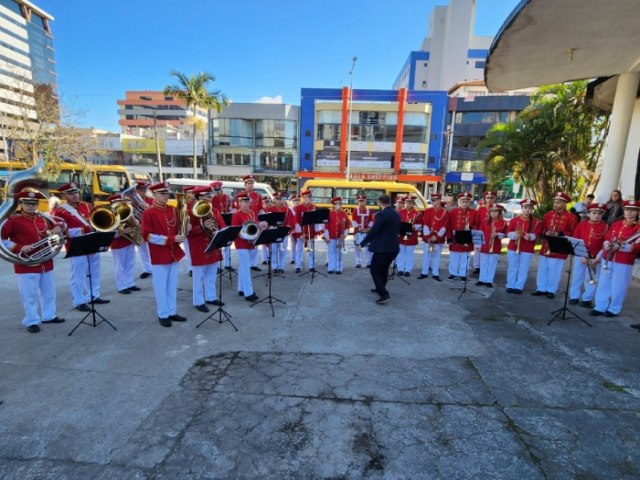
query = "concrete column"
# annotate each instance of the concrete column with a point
(623, 104)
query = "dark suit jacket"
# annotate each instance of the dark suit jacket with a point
(383, 236)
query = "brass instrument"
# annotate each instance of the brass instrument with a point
(203, 210)
(136, 200)
(250, 231)
(610, 254)
(592, 273)
(183, 215)
(128, 219)
(492, 237)
(46, 248)
(104, 219)
(519, 235)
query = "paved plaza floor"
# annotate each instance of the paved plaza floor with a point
(427, 386)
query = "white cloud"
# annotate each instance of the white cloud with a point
(276, 99)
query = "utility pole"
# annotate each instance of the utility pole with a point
(155, 131)
(353, 65)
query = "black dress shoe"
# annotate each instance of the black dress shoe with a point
(538, 293)
(83, 307)
(312, 269)
(384, 299)
(256, 269)
(297, 270)
(595, 313)
(33, 329)
(145, 275)
(573, 301)
(509, 290)
(479, 283)
(586, 304)
(134, 289)
(202, 308)
(476, 271)
(407, 274)
(292, 262)
(488, 285)
(217, 303)
(635, 325)
(241, 294)
(610, 314)
(464, 279)
(329, 271)
(338, 273)
(437, 278)
(55, 320)
(422, 275)
(179, 318)
(191, 274)
(369, 266)
(125, 291)
(551, 295)
(358, 266)
(374, 290)
(264, 262)
(252, 298)
(165, 322)
(451, 277)
(101, 300)
(517, 291)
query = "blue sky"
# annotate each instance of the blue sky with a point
(255, 48)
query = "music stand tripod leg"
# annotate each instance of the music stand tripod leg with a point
(220, 311)
(561, 313)
(269, 298)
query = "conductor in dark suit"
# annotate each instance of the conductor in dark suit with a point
(383, 242)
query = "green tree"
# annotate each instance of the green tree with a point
(194, 92)
(552, 145)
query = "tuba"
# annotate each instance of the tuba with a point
(104, 219)
(128, 218)
(250, 231)
(45, 249)
(203, 210)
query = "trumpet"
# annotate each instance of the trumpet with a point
(592, 273)
(203, 210)
(492, 237)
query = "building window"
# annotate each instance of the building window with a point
(481, 117)
(480, 64)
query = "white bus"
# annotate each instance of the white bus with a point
(230, 188)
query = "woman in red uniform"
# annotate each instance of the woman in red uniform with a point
(494, 229)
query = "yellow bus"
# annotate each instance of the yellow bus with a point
(323, 190)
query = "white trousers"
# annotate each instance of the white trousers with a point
(80, 291)
(165, 286)
(185, 247)
(488, 266)
(227, 256)
(580, 279)
(143, 251)
(431, 259)
(613, 285)
(37, 290)
(549, 274)
(476, 257)
(458, 263)
(335, 257)
(245, 284)
(292, 245)
(264, 249)
(517, 269)
(299, 252)
(124, 263)
(404, 260)
(204, 283)
(359, 251)
(279, 255)
(253, 254)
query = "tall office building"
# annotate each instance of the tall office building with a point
(449, 53)
(27, 68)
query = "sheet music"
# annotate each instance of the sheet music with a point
(579, 247)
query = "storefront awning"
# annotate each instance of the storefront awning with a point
(465, 177)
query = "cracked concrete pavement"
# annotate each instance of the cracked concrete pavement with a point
(334, 386)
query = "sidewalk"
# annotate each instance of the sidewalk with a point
(333, 386)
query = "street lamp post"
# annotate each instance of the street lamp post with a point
(155, 131)
(353, 65)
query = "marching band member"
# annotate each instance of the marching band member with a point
(335, 234)
(124, 255)
(621, 248)
(494, 229)
(434, 232)
(189, 200)
(267, 204)
(222, 202)
(361, 221)
(76, 215)
(205, 265)
(557, 223)
(522, 231)
(305, 234)
(256, 207)
(143, 250)
(244, 247)
(161, 229)
(280, 249)
(483, 214)
(295, 201)
(35, 282)
(592, 231)
(460, 218)
(408, 243)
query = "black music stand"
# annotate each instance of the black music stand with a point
(404, 230)
(311, 219)
(467, 237)
(574, 247)
(221, 239)
(269, 237)
(86, 245)
(227, 217)
(273, 219)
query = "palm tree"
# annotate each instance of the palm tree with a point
(193, 91)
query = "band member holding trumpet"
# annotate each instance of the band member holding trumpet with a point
(361, 221)
(244, 215)
(557, 223)
(304, 234)
(36, 283)
(205, 221)
(335, 233)
(620, 249)
(278, 258)
(522, 232)
(256, 206)
(586, 270)
(223, 204)
(76, 215)
(408, 243)
(163, 229)
(483, 214)
(494, 229)
(434, 233)
(123, 249)
(460, 218)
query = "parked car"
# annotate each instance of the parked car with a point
(512, 207)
